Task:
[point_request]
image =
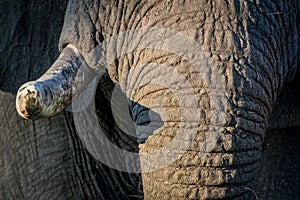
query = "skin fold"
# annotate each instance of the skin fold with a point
(211, 89)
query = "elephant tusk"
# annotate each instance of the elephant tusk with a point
(54, 90)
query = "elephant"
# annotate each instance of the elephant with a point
(45, 159)
(197, 82)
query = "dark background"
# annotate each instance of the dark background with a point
(29, 34)
(32, 154)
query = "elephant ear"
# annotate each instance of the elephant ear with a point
(286, 111)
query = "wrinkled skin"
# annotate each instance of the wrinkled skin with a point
(255, 69)
(254, 46)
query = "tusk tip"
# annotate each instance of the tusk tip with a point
(27, 102)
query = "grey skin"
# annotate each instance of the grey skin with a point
(45, 159)
(254, 46)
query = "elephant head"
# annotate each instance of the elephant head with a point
(200, 81)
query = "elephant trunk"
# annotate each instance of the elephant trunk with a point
(218, 163)
(54, 90)
(208, 143)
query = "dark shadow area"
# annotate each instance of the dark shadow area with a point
(130, 184)
(29, 39)
(278, 175)
(286, 112)
(103, 104)
(97, 180)
(119, 124)
(124, 122)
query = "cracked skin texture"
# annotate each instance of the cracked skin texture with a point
(254, 45)
(236, 43)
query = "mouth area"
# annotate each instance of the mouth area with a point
(146, 121)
